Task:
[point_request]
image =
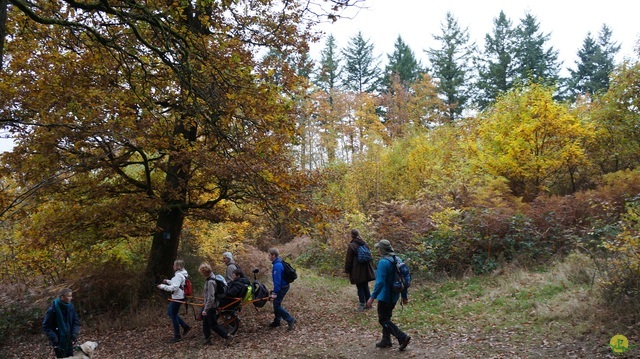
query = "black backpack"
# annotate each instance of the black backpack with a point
(289, 274)
(260, 291)
(221, 286)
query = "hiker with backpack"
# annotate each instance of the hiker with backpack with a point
(61, 324)
(176, 287)
(210, 306)
(227, 258)
(387, 276)
(280, 288)
(359, 266)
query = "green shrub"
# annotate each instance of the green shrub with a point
(19, 316)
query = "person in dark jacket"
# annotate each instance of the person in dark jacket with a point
(236, 288)
(61, 324)
(359, 273)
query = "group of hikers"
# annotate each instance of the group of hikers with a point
(235, 278)
(61, 323)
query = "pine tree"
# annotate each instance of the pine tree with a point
(495, 66)
(402, 63)
(361, 71)
(451, 66)
(595, 64)
(534, 63)
(328, 73)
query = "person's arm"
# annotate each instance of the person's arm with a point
(209, 295)
(348, 261)
(381, 279)
(278, 269)
(173, 284)
(48, 327)
(75, 324)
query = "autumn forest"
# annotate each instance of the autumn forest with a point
(150, 130)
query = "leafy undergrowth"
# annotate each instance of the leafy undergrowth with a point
(547, 313)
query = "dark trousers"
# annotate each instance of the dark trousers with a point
(210, 322)
(172, 312)
(385, 311)
(363, 292)
(63, 354)
(278, 309)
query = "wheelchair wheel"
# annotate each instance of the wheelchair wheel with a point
(229, 321)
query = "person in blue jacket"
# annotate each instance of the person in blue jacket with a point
(280, 289)
(61, 324)
(387, 297)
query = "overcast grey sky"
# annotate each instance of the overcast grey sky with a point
(566, 21)
(416, 21)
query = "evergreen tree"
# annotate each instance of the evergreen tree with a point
(532, 62)
(402, 63)
(451, 66)
(328, 73)
(595, 64)
(361, 71)
(495, 66)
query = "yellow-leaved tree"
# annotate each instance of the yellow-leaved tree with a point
(133, 116)
(532, 141)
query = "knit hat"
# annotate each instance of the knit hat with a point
(384, 246)
(227, 255)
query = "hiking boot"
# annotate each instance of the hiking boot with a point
(404, 343)
(176, 339)
(292, 324)
(360, 307)
(384, 343)
(274, 324)
(186, 330)
(229, 339)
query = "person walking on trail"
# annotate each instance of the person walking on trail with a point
(227, 258)
(176, 287)
(360, 272)
(61, 324)
(280, 289)
(387, 297)
(209, 309)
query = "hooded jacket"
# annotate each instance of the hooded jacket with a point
(358, 272)
(176, 284)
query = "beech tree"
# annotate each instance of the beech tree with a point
(531, 141)
(138, 115)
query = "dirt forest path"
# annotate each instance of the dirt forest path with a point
(328, 327)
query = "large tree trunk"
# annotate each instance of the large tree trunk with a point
(164, 248)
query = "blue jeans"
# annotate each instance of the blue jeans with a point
(363, 292)
(385, 311)
(174, 310)
(278, 309)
